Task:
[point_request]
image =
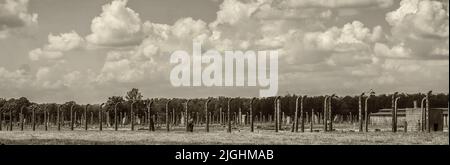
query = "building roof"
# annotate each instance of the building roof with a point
(401, 112)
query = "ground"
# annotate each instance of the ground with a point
(219, 136)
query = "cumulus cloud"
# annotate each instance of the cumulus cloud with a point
(232, 11)
(348, 45)
(65, 41)
(14, 17)
(150, 57)
(13, 79)
(316, 50)
(327, 8)
(422, 26)
(337, 3)
(117, 25)
(57, 44)
(397, 51)
(38, 54)
(119, 68)
(419, 19)
(351, 36)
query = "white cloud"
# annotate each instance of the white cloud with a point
(14, 17)
(317, 50)
(337, 3)
(56, 46)
(350, 36)
(120, 68)
(419, 19)
(64, 42)
(117, 25)
(421, 26)
(13, 79)
(38, 54)
(73, 78)
(42, 73)
(233, 11)
(346, 46)
(397, 51)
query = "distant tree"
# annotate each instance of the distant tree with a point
(112, 102)
(2, 102)
(133, 95)
(68, 104)
(15, 104)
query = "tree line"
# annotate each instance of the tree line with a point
(264, 106)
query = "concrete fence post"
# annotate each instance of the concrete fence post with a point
(167, 115)
(360, 119)
(251, 114)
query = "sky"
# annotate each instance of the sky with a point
(89, 50)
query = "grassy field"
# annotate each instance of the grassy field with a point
(259, 137)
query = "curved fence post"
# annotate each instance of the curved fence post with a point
(151, 125)
(58, 116)
(1, 118)
(115, 116)
(329, 113)
(360, 119)
(228, 115)
(206, 115)
(33, 118)
(428, 112)
(167, 115)
(295, 127)
(85, 117)
(132, 115)
(187, 115)
(251, 114)
(71, 117)
(394, 121)
(366, 113)
(21, 118)
(302, 117)
(100, 117)
(45, 119)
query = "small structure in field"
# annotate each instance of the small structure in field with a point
(437, 118)
(413, 117)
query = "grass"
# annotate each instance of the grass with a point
(219, 136)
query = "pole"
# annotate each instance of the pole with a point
(428, 112)
(100, 117)
(330, 114)
(85, 117)
(302, 117)
(167, 115)
(21, 118)
(360, 112)
(366, 115)
(132, 115)
(151, 125)
(394, 122)
(58, 111)
(228, 115)
(33, 120)
(206, 115)
(251, 115)
(71, 117)
(296, 114)
(325, 107)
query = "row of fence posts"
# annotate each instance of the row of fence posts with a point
(152, 119)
